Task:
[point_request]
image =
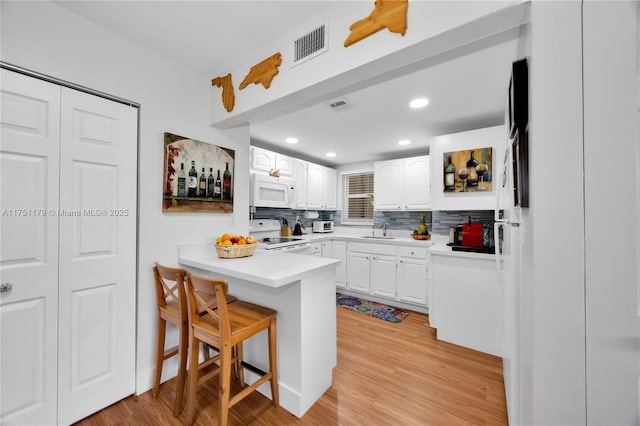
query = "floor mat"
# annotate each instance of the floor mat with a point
(374, 309)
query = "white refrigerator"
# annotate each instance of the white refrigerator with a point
(508, 231)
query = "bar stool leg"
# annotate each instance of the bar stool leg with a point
(239, 368)
(273, 363)
(224, 390)
(182, 369)
(162, 329)
(192, 381)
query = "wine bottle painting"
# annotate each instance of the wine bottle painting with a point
(198, 176)
(469, 170)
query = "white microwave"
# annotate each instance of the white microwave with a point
(268, 191)
(323, 226)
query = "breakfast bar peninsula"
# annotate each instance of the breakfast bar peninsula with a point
(302, 289)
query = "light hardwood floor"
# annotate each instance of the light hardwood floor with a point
(387, 374)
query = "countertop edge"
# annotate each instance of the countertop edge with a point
(211, 265)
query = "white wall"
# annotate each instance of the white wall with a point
(552, 329)
(611, 197)
(49, 39)
(429, 25)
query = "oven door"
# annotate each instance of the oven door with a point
(267, 191)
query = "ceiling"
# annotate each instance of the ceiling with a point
(465, 92)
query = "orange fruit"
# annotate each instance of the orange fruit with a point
(226, 237)
(242, 242)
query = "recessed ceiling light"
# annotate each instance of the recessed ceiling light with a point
(291, 140)
(419, 103)
(331, 154)
(404, 142)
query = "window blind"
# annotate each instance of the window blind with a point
(358, 192)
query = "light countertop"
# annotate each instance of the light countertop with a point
(272, 269)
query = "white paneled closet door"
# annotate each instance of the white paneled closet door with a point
(29, 155)
(69, 178)
(97, 254)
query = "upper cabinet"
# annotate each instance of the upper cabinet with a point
(314, 187)
(299, 195)
(268, 161)
(402, 184)
(490, 137)
(321, 187)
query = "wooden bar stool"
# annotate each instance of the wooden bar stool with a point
(226, 328)
(172, 308)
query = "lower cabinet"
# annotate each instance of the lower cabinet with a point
(337, 250)
(358, 275)
(413, 267)
(467, 304)
(389, 272)
(383, 276)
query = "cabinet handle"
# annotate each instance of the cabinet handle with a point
(6, 287)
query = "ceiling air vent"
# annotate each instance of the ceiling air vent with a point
(310, 45)
(339, 104)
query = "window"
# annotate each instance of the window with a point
(358, 198)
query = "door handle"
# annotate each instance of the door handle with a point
(6, 287)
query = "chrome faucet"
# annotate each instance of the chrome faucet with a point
(384, 229)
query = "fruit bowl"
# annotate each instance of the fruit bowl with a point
(235, 251)
(420, 237)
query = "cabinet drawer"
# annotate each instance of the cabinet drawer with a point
(373, 248)
(420, 252)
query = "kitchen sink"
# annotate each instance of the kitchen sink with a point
(375, 237)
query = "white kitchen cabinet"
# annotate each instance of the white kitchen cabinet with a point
(383, 276)
(299, 194)
(402, 184)
(467, 307)
(358, 272)
(337, 250)
(315, 249)
(417, 183)
(321, 187)
(372, 269)
(263, 160)
(387, 177)
(330, 189)
(413, 266)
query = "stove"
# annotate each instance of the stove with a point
(267, 233)
(279, 240)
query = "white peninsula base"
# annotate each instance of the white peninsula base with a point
(302, 289)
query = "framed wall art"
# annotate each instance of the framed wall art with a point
(198, 176)
(468, 170)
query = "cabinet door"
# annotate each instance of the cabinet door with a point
(387, 189)
(330, 189)
(339, 251)
(262, 160)
(383, 275)
(469, 302)
(358, 272)
(29, 168)
(284, 165)
(300, 184)
(417, 189)
(412, 280)
(315, 184)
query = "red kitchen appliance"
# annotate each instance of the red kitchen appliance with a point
(472, 234)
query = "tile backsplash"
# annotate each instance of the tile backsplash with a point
(440, 221)
(292, 215)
